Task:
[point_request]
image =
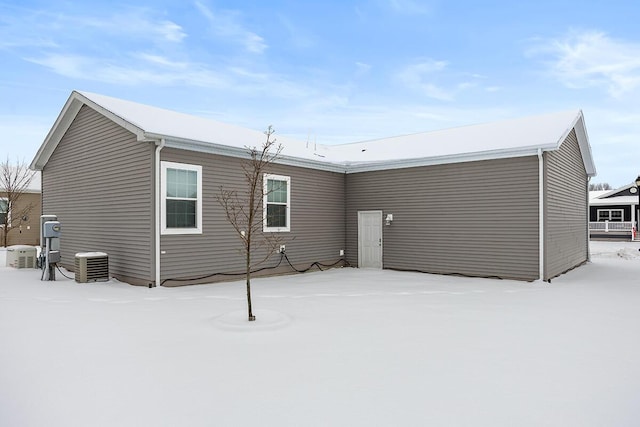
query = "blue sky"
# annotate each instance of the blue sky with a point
(333, 71)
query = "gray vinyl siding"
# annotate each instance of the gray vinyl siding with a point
(566, 209)
(317, 220)
(99, 182)
(476, 218)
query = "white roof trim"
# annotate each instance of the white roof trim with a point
(583, 142)
(440, 160)
(617, 190)
(226, 150)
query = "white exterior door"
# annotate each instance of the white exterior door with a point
(370, 239)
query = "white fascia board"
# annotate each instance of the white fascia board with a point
(430, 161)
(312, 164)
(59, 128)
(226, 150)
(585, 147)
(347, 167)
(618, 201)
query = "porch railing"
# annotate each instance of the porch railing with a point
(608, 226)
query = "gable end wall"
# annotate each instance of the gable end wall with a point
(566, 209)
(99, 183)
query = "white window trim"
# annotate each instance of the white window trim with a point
(266, 229)
(8, 212)
(163, 202)
(609, 211)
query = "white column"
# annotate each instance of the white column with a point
(633, 219)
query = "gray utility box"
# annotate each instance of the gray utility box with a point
(51, 229)
(21, 256)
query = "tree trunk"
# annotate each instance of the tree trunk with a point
(248, 274)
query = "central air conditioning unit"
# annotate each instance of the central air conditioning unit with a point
(92, 267)
(21, 256)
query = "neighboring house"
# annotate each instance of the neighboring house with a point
(25, 225)
(506, 199)
(613, 214)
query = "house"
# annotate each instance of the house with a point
(24, 216)
(613, 214)
(506, 199)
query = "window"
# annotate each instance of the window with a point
(610, 215)
(4, 211)
(277, 201)
(181, 198)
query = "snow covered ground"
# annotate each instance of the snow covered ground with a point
(344, 347)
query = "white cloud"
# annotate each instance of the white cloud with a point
(48, 30)
(131, 73)
(362, 69)
(225, 24)
(133, 22)
(161, 60)
(593, 59)
(150, 69)
(421, 76)
(171, 31)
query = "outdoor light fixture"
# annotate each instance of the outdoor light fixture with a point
(389, 218)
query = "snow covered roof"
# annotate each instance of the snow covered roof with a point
(510, 138)
(595, 194)
(35, 186)
(610, 193)
(606, 197)
(35, 183)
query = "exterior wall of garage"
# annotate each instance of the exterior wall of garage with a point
(566, 209)
(475, 218)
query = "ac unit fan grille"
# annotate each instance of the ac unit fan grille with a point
(91, 268)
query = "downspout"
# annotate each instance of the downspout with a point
(588, 219)
(541, 213)
(158, 199)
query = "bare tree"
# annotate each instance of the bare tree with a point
(600, 186)
(14, 182)
(244, 209)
